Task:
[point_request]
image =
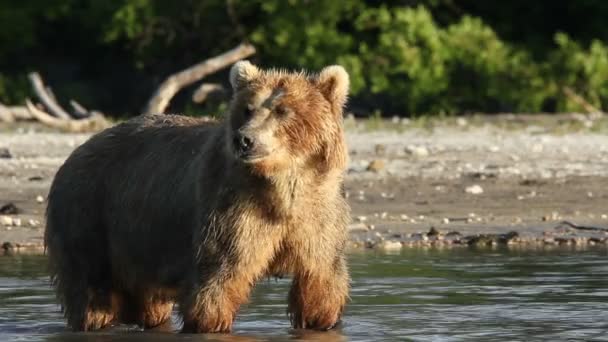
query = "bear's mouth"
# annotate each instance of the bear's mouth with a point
(253, 158)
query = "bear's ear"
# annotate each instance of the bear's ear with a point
(241, 73)
(333, 81)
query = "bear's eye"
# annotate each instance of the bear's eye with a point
(247, 112)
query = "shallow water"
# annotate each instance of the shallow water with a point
(418, 294)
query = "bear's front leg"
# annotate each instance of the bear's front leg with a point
(318, 295)
(212, 308)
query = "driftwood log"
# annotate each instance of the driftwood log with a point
(174, 83)
(205, 90)
(50, 113)
(80, 119)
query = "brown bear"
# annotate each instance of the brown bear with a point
(166, 208)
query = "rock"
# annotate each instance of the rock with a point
(361, 218)
(417, 151)
(493, 239)
(389, 245)
(39, 199)
(33, 223)
(6, 220)
(432, 232)
(16, 222)
(474, 189)
(376, 165)
(380, 149)
(9, 209)
(5, 153)
(404, 217)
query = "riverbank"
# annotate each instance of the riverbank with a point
(443, 182)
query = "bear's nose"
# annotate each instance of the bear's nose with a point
(242, 143)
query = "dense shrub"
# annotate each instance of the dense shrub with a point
(404, 57)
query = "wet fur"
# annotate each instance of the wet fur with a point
(157, 210)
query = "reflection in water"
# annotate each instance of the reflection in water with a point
(419, 294)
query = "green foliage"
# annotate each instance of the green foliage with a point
(585, 71)
(406, 57)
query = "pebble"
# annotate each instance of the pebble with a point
(361, 218)
(417, 151)
(9, 209)
(39, 199)
(33, 223)
(380, 149)
(474, 189)
(404, 217)
(5, 153)
(17, 222)
(376, 165)
(6, 220)
(390, 245)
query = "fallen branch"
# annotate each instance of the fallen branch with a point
(206, 89)
(174, 83)
(14, 113)
(5, 114)
(575, 226)
(93, 122)
(576, 98)
(47, 98)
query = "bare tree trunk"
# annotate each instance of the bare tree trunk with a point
(174, 83)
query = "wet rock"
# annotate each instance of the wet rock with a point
(596, 240)
(492, 239)
(5, 153)
(419, 237)
(565, 240)
(389, 245)
(9, 209)
(8, 247)
(433, 232)
(357, 227)
(376, 165)
(474, 189)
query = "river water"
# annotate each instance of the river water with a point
(417, 294)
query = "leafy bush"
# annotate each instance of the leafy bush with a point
(584, 71)
(432, 56)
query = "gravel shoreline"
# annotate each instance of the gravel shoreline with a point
(451, 185)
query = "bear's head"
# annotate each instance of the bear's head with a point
(282, 120)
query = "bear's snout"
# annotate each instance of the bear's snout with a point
(243, 144)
